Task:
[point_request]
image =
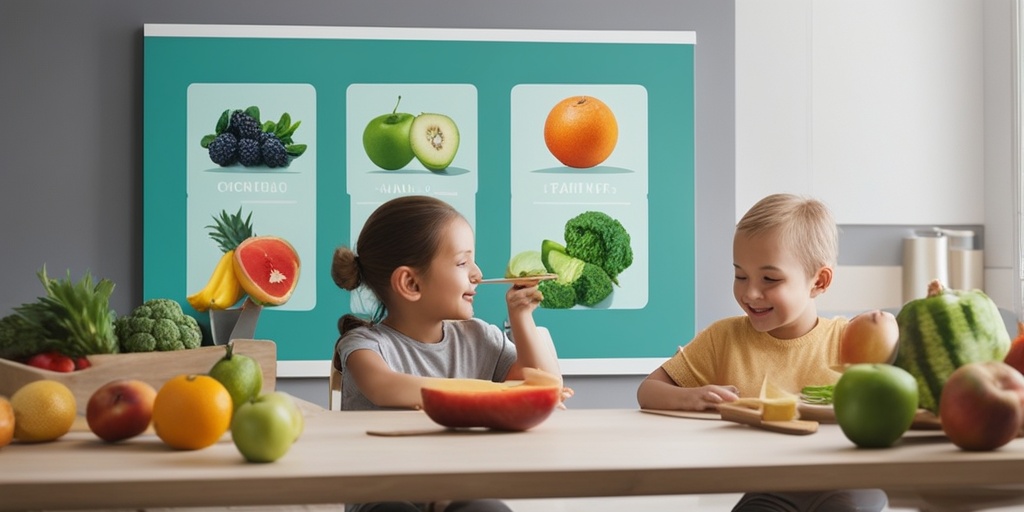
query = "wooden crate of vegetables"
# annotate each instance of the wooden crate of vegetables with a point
(71, 335)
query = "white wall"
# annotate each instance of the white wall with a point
(892, 112)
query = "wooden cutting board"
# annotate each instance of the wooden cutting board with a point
(745, 416)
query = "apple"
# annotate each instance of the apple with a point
(6, 422)
(870, 337)
(263, 429)
(1015, 356)
(875, 404)
(120, 409)
(467, 403)
(982, 405)
(386, 139)
(298, 420)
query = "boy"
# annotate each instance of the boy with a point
(784, 251)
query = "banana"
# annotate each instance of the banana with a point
(214, 294)
(229, 290)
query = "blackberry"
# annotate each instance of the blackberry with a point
(265, 136)
(274, 154)
(244, 126)
(224, 149)
(249, 152)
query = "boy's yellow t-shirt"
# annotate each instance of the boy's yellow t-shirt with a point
(731, 352)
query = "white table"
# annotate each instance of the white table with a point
(574, 453)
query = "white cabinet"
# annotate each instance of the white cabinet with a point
(874, 106)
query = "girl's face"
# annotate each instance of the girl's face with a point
(450, 283)
(772, 286)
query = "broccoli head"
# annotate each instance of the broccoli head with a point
(157, 325)
(557, 295)
(596, 238)
(592, 286)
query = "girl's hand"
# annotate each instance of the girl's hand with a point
(567, 393)
(523, 298)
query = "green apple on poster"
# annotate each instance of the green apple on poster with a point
(386, 139)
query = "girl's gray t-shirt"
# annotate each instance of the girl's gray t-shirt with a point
(469, 349)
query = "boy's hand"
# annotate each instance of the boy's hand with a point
(708, 397)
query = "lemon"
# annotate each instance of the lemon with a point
(240, 374)
(44, 410)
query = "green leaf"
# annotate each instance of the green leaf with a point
(295, 149)
(285, 121)
(207, 139)
(291, 130)
(222, 123)
(253, 112)
(269, 127)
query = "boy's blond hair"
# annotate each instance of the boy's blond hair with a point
(802, 223)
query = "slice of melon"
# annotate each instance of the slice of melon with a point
(268, 269)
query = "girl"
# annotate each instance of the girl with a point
(416, 256)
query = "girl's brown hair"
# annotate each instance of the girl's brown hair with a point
(405, 231)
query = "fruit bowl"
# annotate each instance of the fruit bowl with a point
(154, 368)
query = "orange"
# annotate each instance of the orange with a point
(581, 131)
(43, 411)
(191, 411)
(6, 422)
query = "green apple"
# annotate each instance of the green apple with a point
(875, 404)
(263, 430)
(298, 420)
(386, 139)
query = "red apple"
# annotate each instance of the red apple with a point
(982, 405)
(467, 403)
(1015, 357)
(120, 409)
(870, 337)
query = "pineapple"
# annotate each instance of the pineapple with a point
(230, 229)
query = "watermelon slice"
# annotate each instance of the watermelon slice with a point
(268, 269)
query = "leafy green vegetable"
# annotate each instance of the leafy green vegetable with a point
(557, 295)
(817, 395)
(592, 286)
(589, 282)
(76, 317)
(158, 324)
(526, 263)
(20, 339)
(596, 238)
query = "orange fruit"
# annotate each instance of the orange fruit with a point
(6, 422)
(191, 411)
(43, 411)
(581, 131)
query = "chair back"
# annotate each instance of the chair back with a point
(334, 382)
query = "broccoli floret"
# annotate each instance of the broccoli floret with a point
(158, 325)
(557, 295)
(19, 338)
(596, 238)
(592, 286)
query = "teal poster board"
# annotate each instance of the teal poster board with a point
(516, 186)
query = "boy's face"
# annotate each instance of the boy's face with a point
(773, 288)
(449, 283)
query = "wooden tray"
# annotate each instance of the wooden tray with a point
(152, 367)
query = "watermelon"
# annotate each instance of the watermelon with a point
(944, 331)
(267, 268)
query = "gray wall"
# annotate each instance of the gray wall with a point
(71, 141)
